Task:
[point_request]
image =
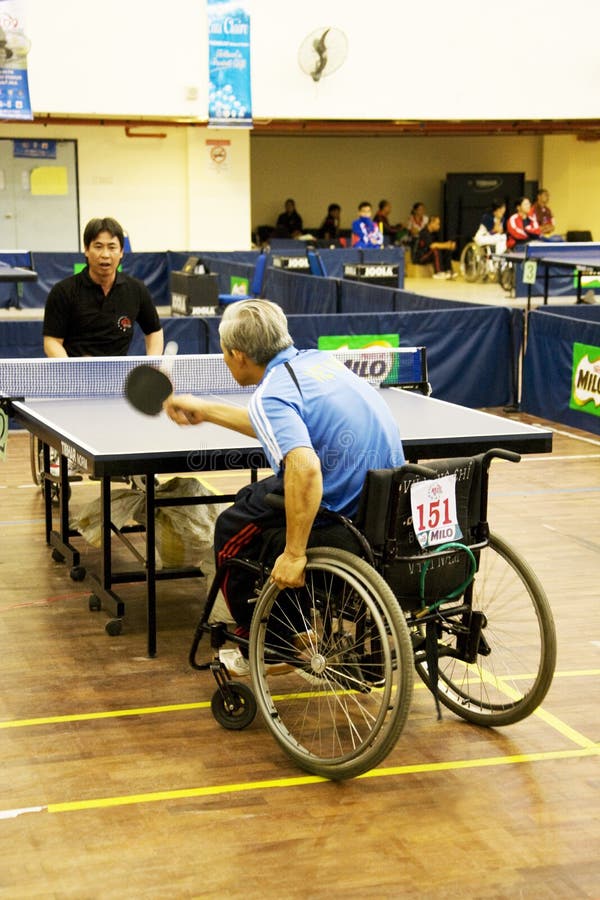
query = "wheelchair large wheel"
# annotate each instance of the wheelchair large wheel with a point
(516, 643)
(36, 459)
(471, 262)
(340, 704)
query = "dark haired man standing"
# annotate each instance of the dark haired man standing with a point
(93, 313)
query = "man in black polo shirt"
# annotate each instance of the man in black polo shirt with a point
(93, 313)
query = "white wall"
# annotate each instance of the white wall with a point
(472, 60)
(167, 192)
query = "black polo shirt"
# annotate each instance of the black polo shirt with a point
(94, 325)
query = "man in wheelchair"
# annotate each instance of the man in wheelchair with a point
(321, 427)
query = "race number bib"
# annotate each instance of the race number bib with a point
(433, 506)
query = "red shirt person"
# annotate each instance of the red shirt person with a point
(522, 226)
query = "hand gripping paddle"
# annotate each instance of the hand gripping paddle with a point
(147, 387)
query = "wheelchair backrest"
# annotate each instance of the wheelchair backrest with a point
(385, 518)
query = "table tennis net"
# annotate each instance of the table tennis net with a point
(198, 373)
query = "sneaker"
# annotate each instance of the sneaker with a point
(440, 275)
(451, 275)
(588, 297)
(236, 664)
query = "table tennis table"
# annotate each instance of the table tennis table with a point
(580, 264)
(16, 275)
(106, 438)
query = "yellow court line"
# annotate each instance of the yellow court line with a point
(574, 673)
(300, 781)
(205, 704)
(112, 714)
(569, 733)
(553, 721)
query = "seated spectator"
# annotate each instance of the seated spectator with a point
(522, 226)
(329, 230)
(417, 219)
(289, 222)
(392, 232)
(543, 213)
(365, 233)
(491, 228)
(428, 248)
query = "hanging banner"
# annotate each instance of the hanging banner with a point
(14, 47)
(229, 89)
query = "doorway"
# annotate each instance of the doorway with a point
(39, 195)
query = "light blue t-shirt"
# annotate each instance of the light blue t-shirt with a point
(332, 410)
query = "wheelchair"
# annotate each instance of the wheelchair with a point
(478, 263)
(47, 470)
(332, 663)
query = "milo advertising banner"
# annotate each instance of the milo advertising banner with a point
(376, 365)
(585, 380)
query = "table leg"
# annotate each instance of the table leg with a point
(151, 563)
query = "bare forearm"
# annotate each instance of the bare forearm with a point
(303, 489)
(188, 410)
(234, 417)
(154, 343)
(54, 347)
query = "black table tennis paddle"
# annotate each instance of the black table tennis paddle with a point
(147, 387)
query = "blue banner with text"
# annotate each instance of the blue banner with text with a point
(229, 92)
(14, 47)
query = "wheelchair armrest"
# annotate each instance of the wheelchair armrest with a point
(417, 469)
(277, 501)
(498, 453)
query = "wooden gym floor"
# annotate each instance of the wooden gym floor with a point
(118, 783)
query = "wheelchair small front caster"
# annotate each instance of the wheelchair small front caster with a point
(57, 556)
(114, 627)
(237, 710)
(94, 603)
(77, 573)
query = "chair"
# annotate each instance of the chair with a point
(578, 236)
(316, 264)
(256, 285)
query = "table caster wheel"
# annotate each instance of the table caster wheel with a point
(114, 627)
(94, 604)
(57, 556)
(77, 573)
(242, 710)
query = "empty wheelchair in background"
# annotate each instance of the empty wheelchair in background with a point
(480, 263)
(332, 663)
(51, 468)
